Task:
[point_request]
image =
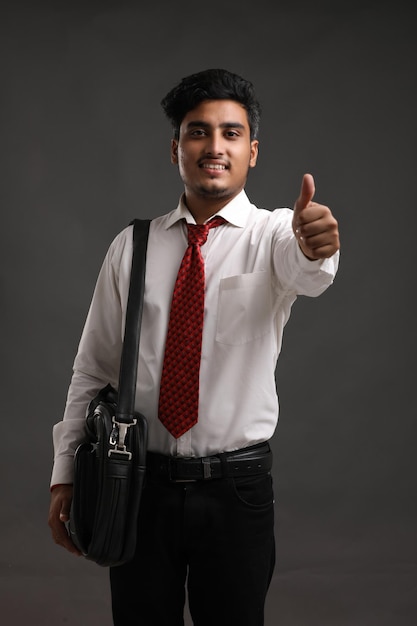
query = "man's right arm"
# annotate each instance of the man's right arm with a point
(96, 364)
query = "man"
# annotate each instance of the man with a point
(206, 518)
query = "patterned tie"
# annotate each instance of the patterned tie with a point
(178, 399)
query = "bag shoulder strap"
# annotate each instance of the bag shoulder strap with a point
(129, 359)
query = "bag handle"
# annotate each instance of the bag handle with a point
(130, 351)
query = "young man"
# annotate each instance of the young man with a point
(206, 517)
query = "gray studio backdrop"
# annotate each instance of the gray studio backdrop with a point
(85, 148)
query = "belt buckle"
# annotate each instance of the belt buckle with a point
(172, 478)
(206, 465)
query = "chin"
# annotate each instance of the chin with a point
(214, 192)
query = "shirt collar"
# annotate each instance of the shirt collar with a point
(236, 212)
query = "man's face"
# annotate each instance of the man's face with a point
(214, 151)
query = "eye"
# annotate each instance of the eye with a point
(232, 134)
(198, 132)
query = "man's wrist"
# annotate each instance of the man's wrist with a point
(60, 485)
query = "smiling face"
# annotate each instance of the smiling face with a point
(214, 153)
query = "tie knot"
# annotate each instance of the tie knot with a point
(197, 233)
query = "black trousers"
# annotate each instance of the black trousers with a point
(216, 537)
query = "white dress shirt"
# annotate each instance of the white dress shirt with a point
(254, 272)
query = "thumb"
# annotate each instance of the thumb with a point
(65, 510)
(306, 193)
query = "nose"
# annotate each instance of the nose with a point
(215, 144)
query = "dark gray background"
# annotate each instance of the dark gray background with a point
(85, 148)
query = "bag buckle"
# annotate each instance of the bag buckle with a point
(118, 436)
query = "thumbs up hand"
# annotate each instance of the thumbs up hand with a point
(313, 224)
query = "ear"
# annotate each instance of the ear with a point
(254, 150)
(174, 151)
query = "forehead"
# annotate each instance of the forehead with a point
(216, 113)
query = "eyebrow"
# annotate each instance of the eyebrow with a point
(201, 124)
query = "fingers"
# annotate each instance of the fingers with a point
(59, 511)
(314, 225)
(317, 233)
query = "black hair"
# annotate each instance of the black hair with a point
(212, 84)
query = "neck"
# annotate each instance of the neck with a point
(202, 209)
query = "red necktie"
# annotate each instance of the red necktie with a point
(179, 392)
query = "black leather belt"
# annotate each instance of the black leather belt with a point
(255, 459)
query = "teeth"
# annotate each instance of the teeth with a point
(212, 166)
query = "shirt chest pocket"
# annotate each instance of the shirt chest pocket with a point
(244, 309)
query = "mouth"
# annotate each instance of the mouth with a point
(213, 168)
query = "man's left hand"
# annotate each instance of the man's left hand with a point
(314, 225)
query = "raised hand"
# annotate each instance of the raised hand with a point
(314, 225)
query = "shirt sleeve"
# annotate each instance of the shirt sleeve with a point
(98, 357)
